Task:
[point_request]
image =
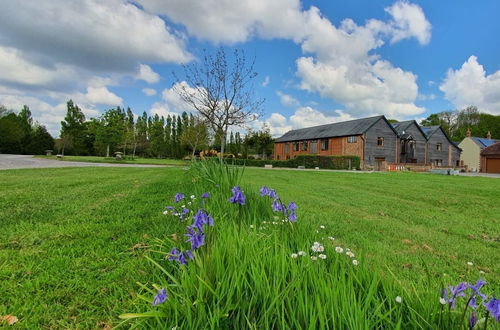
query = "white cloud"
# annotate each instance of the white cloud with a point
(409, 21)
(101, 95)
(426, 97)
(149, 91)
(147, 74)
(287, 100)
(173, 99)
(85, 34)
(266, 81)
(162, 109)
(340, 64)
(470, 85)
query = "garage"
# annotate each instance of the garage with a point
(490, 159)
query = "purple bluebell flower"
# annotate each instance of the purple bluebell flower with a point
(197, 239)
(493, 306)
(272, 193)
(277, 206)
(160, 297)
(292, 206)
(477, 287)
(170, 208)
(173, 254)
(264, 191)
(456, 292)
(182, 259)
(202, 218)
(292, 217)
(472, 302)
(472, 320)
(178, 197)
(238, 196)
(189, 254)
(205, 195)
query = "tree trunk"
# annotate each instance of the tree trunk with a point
(107, 151)
(222, 144)
(135, 146)
(194, 151)
(63, 151)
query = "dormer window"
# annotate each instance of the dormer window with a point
(439, 147)
(380, 141)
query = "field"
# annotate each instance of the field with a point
(137, 160)
(74, 241)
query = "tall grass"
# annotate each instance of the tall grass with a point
(245, 277)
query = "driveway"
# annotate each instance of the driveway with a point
(8, 162)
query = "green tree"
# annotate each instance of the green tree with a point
(110, 130)
(41, 140)
(195, 136)
(157, 136)
(11, 132)
(73, 125)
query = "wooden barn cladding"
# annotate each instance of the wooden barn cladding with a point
(376, 141)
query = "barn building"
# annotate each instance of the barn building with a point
(374, 140)
(490, 159)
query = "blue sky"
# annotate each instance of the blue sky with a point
(317, 61)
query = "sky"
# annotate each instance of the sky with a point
(318, 62)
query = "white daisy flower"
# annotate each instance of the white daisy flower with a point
(399, 299)
(192, 197)
(350, 254)
(355, 262)
(338, 249)
(331, 238)
(294, 255)
(442, 301)
(322, 256)
(322, 227)
(470, 263)
(301, 253)
(314, 258)
(165, 212)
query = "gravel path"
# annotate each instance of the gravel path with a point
(8, 162)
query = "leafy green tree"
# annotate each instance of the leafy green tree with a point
(41, 140)
(157, 136)
(11, 132)
(110, 130)
(195, 136)
(141, 128)
(74, 126)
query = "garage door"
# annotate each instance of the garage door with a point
(493, 165)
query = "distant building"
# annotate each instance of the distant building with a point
(471, 149)
(374, 140)
(490, 159)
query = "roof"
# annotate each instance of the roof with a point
(402, 126)
(483, 142)
(429, 130)
(492, 150)
(345, 128)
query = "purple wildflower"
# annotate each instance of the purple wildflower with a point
(202, 218)
(183, 213)
(264, 191)
(458, 291)
(292, 217)
(472, 320)
(178, 197)
(292, 206)
(205, 195)
(493, 306)
(277, 206)
(238, 196)
(173, 254)
(197, 239)
(475, 288)
(160, 297)
(182, 259)
(189, 254)
(472, 302)
(170, 208)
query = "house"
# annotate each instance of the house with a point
(471, 149)
(372, 139)
(441, 151)
(490, 159)
(413, 142)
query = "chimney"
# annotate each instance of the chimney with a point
(468, 132)
(488, 136)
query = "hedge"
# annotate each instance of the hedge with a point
(308, 161)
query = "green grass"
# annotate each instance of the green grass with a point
(137, 160)
(67, 256)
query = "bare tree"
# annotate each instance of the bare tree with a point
(221, 91)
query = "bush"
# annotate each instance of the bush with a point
(308, 161)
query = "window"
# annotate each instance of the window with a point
(287, 148)
(352, 139)
(295, 146)
(438, 162)
(304, 145)
(324, 144)
(380, 141)
(439, 146)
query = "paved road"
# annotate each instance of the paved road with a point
(26, 161)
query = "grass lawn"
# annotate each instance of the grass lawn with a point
(73, 240)
(137, 160)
